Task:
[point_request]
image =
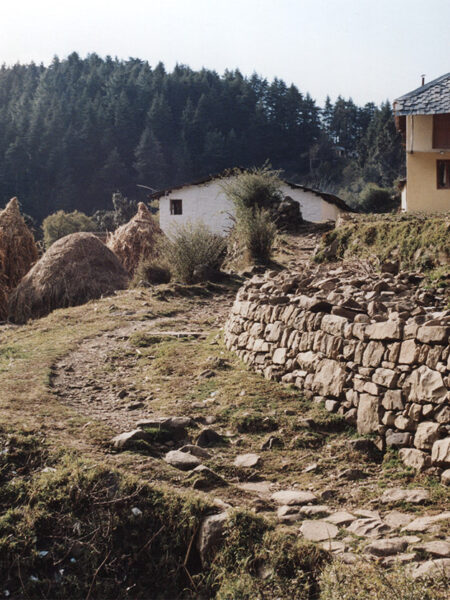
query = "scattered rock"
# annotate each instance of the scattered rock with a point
(395, 495)
(386, 546)
(396, 519)
(433, 568)
(341, 518)
(293, 497)
(426, 524)
(247, 460)
(352, 474)
(334, 546)
(210, 536)
(126, 441)
(318, 531)
(206, 479)
(368, 527)
(439, 548)
(181, 460)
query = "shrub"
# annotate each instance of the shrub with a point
(374, 198)
(192, 246)
(60, 224)
(253, 193)
(152, 271)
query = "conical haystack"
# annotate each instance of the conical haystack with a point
(136, 239)
(74, 269)
(18, 251)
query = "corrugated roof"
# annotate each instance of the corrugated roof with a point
(429, 99)
(330, 198)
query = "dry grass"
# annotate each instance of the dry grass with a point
(76, 268)
(3, 301)
(135, 241)
(18, 250)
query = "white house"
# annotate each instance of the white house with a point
(206, 200)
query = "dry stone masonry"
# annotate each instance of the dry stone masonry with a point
(371, 347)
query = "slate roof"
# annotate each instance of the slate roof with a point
(429, 99)
(330, 198)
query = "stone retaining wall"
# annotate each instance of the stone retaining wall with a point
(374, 348)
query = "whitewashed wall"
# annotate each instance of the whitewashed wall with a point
(207, 202)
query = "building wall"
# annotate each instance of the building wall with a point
(422, 193)
(208, 203)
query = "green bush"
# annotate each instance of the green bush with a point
(191, 246)
(253, 193)
(60, 224)
(374, 198)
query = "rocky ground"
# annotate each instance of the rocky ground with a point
(174, 405)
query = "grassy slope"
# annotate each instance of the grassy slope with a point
(69, 530)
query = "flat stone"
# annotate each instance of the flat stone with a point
(386, 330)
(293, 497)
(433, 334)
(247, 460)
(439, 548)
(433, 568)
(425, 524)
(263, 488)
(386, 546)
(397, 519)
(368, 514)
(417, 496)
(318, 531)
(368, 527)
(181, 460)
(315, 511)
(341, 518)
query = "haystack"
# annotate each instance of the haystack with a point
(136, 240)
(18, 251)
(3, 301)
(74, 269)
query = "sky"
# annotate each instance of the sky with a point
(369, 50)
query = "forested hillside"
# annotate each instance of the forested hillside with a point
(77, 130)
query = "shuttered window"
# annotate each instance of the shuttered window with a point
(176, 207)
(443, 174)
(441, 131)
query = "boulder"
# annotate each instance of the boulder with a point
(210, 536)
(414, 458)
(386, 546)
(182, 460)
(209, 437)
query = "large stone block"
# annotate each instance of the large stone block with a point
(373, 354)
(427, 385)
(438, 334)
(368, 419)
(334, 324)
(386, 330)
(440, 453)
(385, 377)
(426, 434)
(409, 352)
(329, 379)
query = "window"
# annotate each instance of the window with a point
(176, 207)
(441, 131)
(443, 174)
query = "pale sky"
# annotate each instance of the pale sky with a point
(370, 50)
